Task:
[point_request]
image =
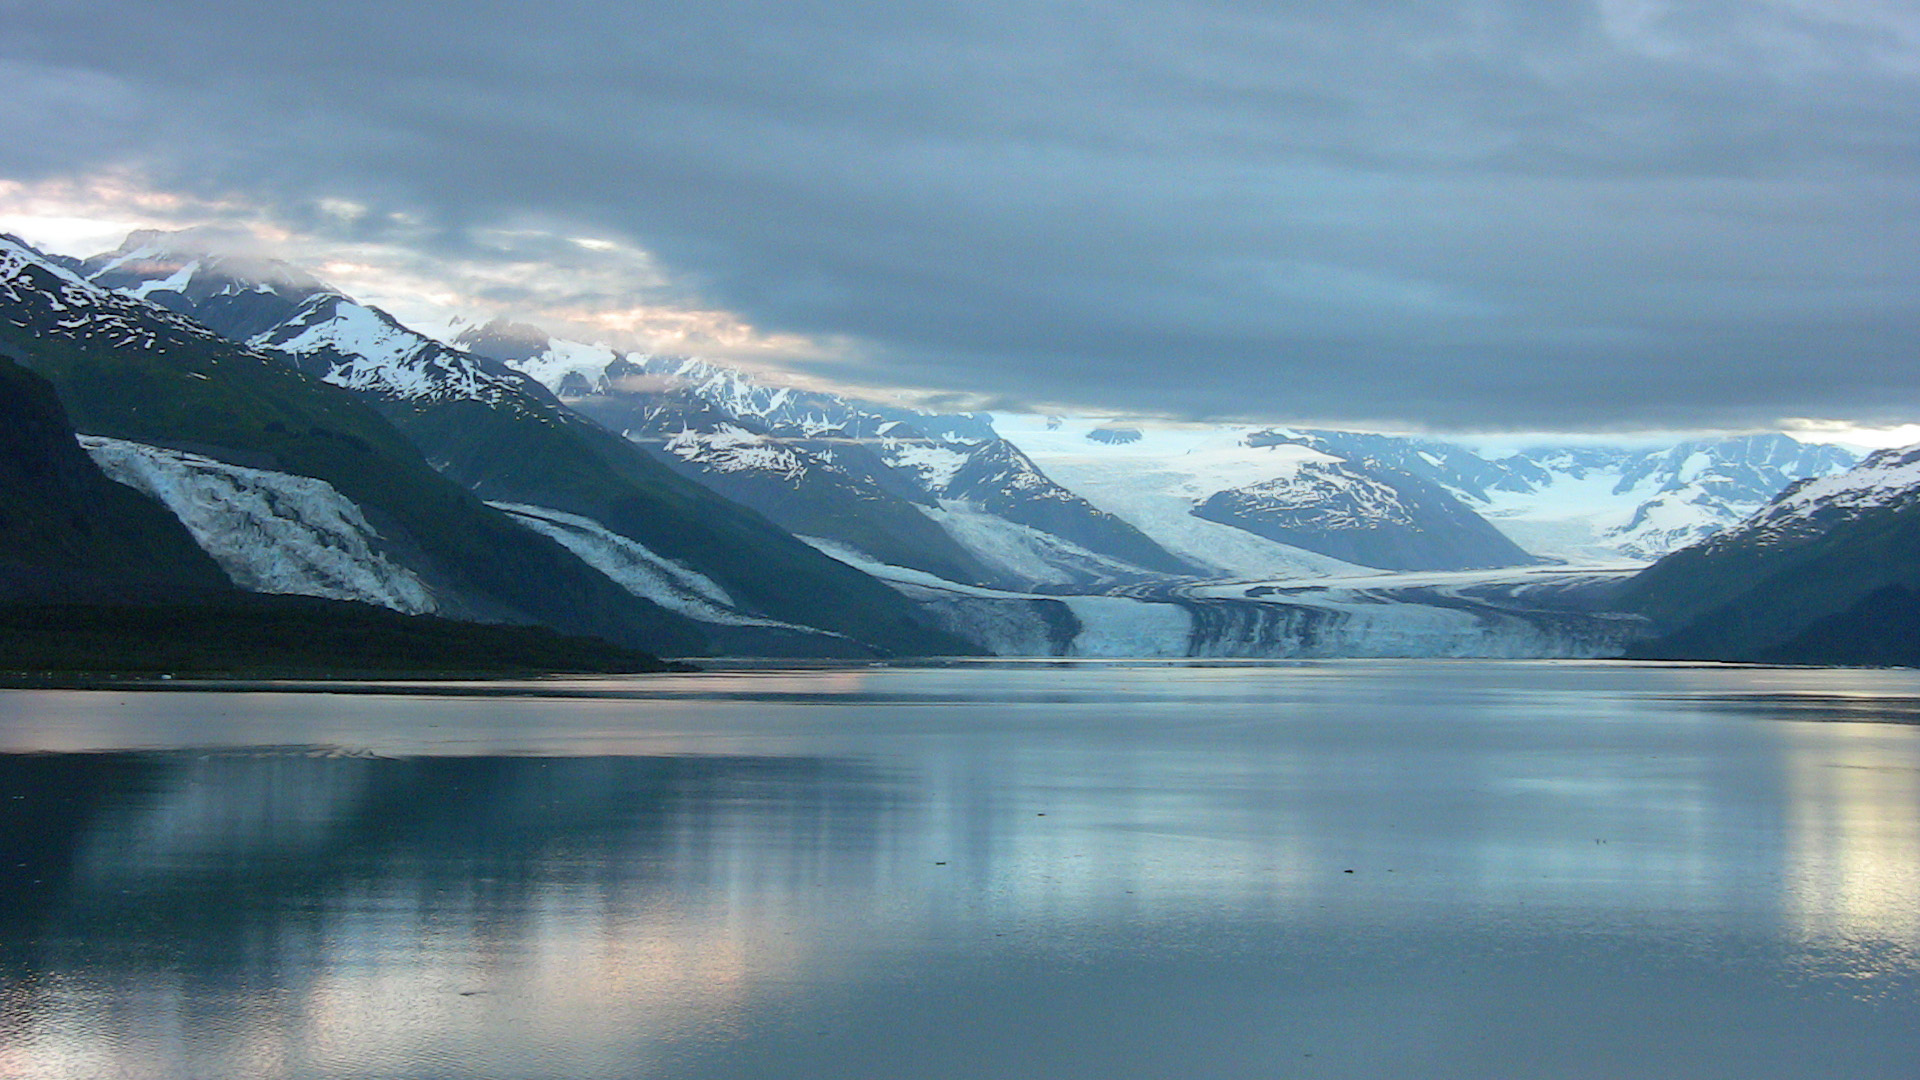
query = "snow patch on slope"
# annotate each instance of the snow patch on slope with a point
(1887, 479)
(272, 532)
(732, 448)
(176, 282)
(934, 464)
(562, 358)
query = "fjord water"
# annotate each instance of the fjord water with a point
(1339, 869)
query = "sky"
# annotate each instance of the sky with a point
(1454, 216)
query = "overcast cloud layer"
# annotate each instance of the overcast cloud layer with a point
(1527, 214)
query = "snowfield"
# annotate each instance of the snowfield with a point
(1153, 484)
(1580, 504)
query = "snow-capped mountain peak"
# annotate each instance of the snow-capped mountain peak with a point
(1886, 480)
(40, 288)
(237, 295)
(178, 258)
(557, 364)
(273, 307)
(363, 348)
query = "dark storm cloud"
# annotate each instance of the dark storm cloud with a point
(1481, 214)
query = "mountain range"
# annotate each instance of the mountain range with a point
(291, 440)
(1827, 572)
(721, 578)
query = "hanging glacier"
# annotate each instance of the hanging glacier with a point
(272, 532)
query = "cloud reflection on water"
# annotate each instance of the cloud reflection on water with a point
(1853, 868)
(1524, 842)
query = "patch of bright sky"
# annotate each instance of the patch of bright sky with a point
(607, 291)
(1847, 433)
(569, 283)
(82, 217)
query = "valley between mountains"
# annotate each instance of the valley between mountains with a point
(194, 431)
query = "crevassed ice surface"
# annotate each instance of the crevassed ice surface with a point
(634, 567)
(272, 532)
(1348, 869)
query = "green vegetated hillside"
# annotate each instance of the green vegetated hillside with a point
(1844, 596)
(76, 548)
(69, 533)
(543, 454)
(256, 636)
(125, 370)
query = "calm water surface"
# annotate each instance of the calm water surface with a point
(1359, 869)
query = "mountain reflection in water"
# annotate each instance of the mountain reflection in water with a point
(1473, 870)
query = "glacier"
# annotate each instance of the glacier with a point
(1023, 553)
(1510, 613)
(1155, 481)
(1590, 504)
(272, 532)
(640, 571)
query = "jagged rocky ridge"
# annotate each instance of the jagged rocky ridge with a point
(506, 439)
(1365, 514)
(1639, 503)
(1828, 572)
(127, 369)
(822, 486)
(943, 494)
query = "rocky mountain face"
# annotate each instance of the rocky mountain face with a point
(348, 344)
(128, 370)
(997, 478)
(316, 445)
(1570, 500)
(822, 486)
(1886, 481)
(504, 438)
(1367, 514)
(941, 494)
(1827, 572)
